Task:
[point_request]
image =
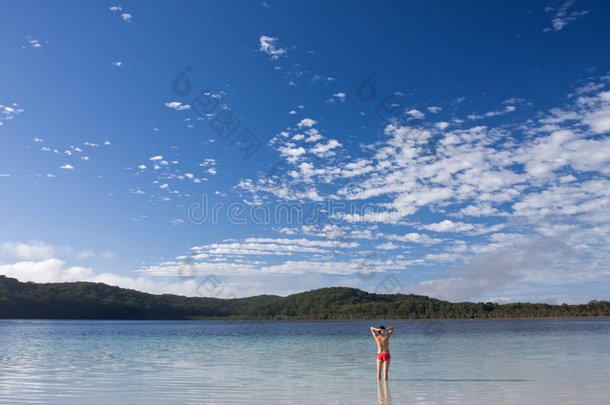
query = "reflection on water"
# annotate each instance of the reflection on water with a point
(383, 393)
(214, 362)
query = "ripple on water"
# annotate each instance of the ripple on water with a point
(302, 362)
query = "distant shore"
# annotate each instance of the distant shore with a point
(84, 300)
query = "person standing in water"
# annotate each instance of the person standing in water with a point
(382, 337)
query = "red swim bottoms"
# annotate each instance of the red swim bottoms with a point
(383, 356)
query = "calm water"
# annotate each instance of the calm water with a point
(223, 362)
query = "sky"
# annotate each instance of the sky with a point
(457, 150)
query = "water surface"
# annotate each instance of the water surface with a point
(250, 362)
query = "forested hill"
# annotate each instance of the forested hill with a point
(83, 300)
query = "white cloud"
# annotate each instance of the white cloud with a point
(306, 123)
(124, 16)
(294, 267)
(8, 112)
(305, 242)
(67, 167)
(416, 114)
(269, 46)
(385, 217)
(85, 254)
(325, 150)
(54, 270)
(598, 115)
(508, 180)
(412, 237)
(387, 246)
(356, 168)
(449, 226)
(291, 153)
(178, 106)
(117, 63)
(562, 16)
(156, 158)
(313, 135)
(479, 210)
(34, 43)
(508, 270)
(45, 271)
(256, 248)
(207, 162)
(337, 96)
(507, 109)
(33, 250)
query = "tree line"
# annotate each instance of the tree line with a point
(85, 300)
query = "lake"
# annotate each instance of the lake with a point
(284, 362)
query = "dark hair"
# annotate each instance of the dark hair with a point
(381, 327)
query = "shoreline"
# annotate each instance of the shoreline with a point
(310, 320)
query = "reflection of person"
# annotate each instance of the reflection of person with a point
(382, 337)
(383, 393)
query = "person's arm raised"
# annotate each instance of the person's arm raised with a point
(390, 330)
(373, 331)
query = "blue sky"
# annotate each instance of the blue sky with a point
(453, 149)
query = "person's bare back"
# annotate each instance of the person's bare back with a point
(382, 338)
